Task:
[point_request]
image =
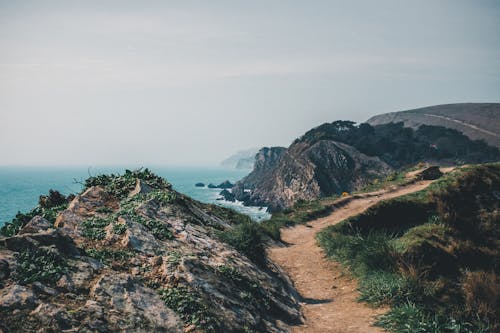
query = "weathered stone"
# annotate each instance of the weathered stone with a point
(7, 263)
(36, 224)
(43, 289)
(307, 171)
(140, 188)
(431, 173)
(138, 237)
(122, 293)
(68, 223)
(16, 296)
(53, 317)
(89, 201)
(46, 238)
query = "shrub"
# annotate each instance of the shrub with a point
(482, 294)
(121, 185)
(39, 264)
(190, 307)
(21, 219)
(53, 199)
(108, 256)
(93, 228)
(247, 238)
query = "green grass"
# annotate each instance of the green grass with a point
(247, 238)
(302, 212)
(411, 253)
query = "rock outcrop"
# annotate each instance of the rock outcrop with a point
(307, 171)
(147, 260)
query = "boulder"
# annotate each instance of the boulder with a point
(35, 225)
(431, 173)
(199, 185)
(95, 197)
(47, 238)
(228, 196)
(225, 185)
(16, 296)
(138, 237)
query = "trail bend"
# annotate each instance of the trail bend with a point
(329, 296)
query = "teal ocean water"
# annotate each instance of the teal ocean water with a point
(20, 187)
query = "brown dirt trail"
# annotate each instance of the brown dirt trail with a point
(329, 296)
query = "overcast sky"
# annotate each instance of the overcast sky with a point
(190, 82)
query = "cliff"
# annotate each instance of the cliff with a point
(131, 254)
(307, 171)
(343, 156)
(476, 120)
(243, 159)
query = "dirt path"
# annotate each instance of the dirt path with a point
(329, 296)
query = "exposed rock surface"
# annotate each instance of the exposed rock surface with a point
(306, 171)
(228, 196)
(430, 173)
(148, 261)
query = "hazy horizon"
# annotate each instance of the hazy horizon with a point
(156, 83)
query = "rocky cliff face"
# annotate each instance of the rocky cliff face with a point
(476, 120)
(137, 258)
(306, 171)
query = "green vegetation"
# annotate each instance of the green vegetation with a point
(400, 146)
(119, 228)
(48, 207)
(121, 185)
(40, 264)
(190, 307)
(394, 179)
(108, 256)
(247, 238)
(432, 255)
(302, 212)
(93, 228)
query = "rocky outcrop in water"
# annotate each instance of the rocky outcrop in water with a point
(134, 255)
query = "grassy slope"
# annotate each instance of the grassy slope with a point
(433, 256)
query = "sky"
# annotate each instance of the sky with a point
(191, 82)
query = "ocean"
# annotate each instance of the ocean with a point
(20, 187)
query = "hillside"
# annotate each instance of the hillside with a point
(476, 120)
(243, 159)
(343, 157)
(432, 256)
(131, 254)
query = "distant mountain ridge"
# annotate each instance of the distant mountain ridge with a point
(243, 159)
(479, 121)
